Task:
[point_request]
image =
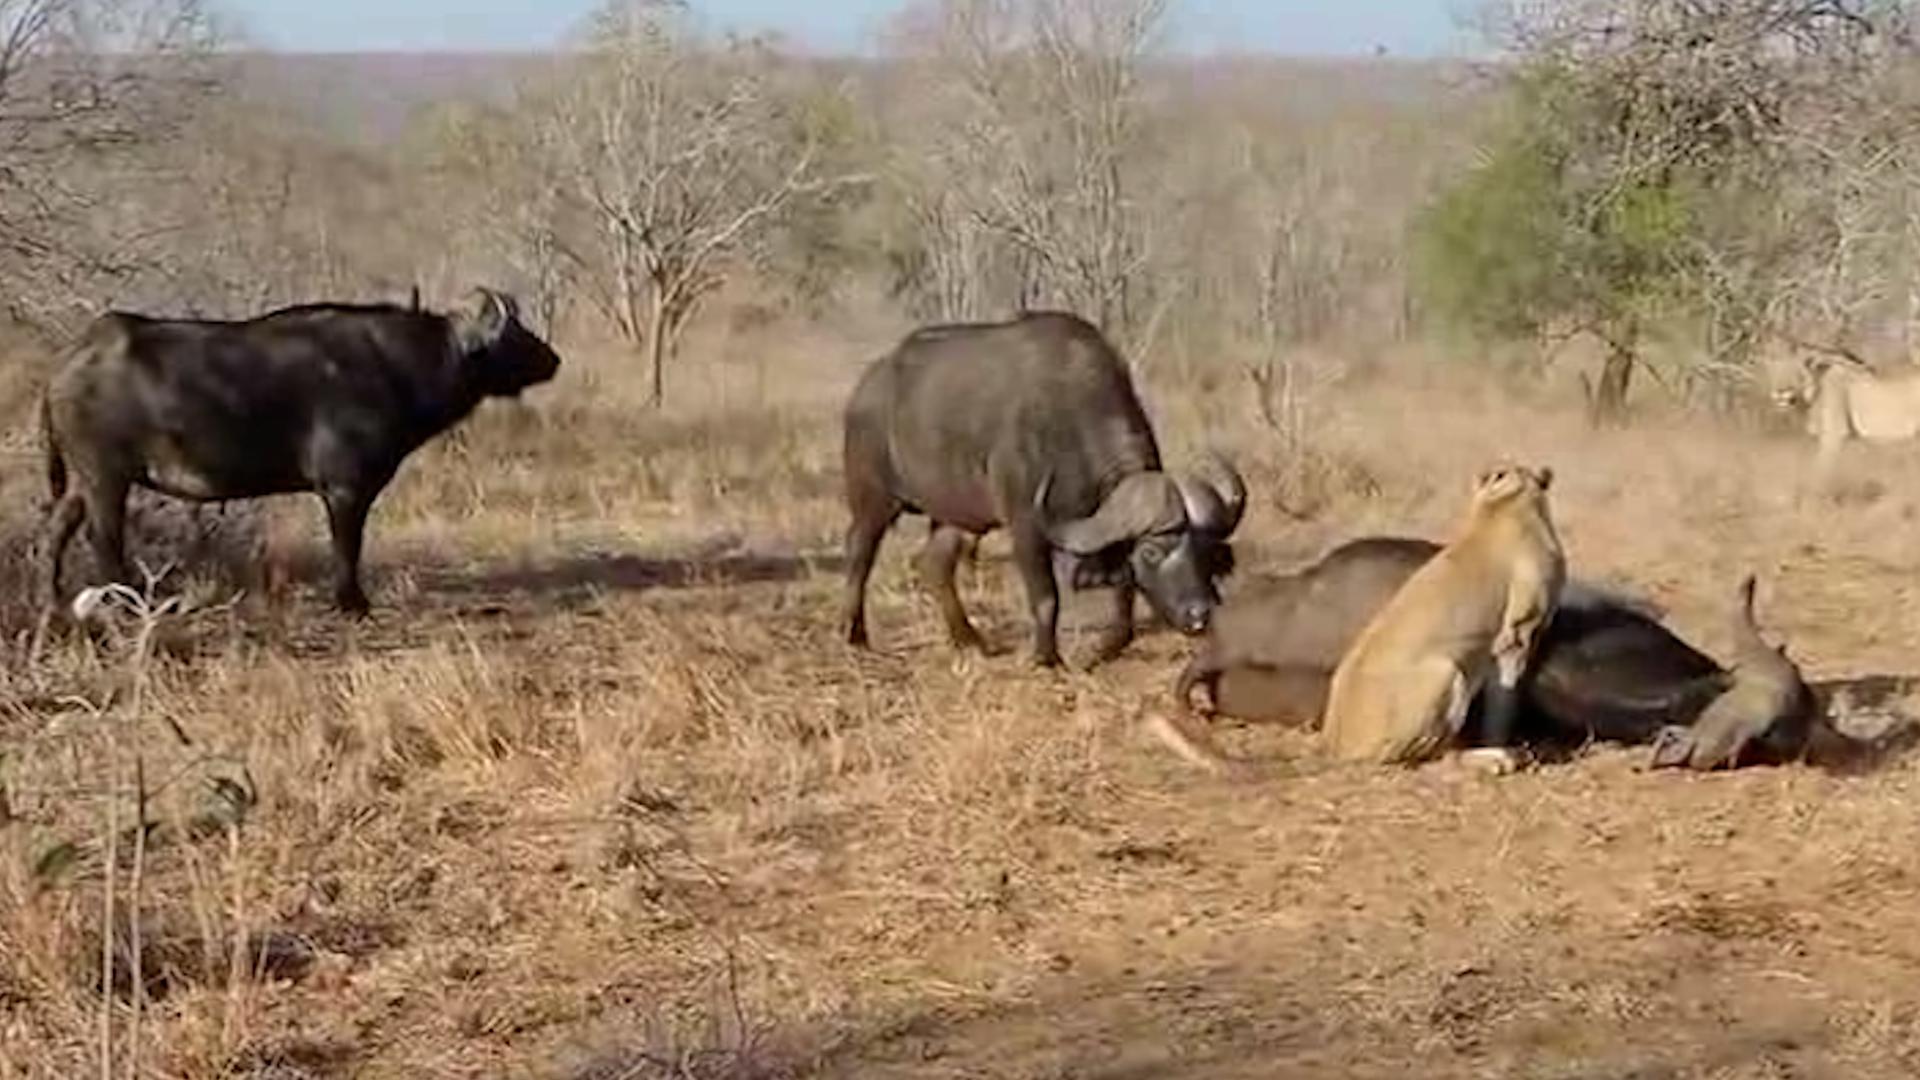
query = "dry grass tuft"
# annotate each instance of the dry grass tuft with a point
(599, 792)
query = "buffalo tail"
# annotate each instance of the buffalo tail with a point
(56, 461)
(1748, 644)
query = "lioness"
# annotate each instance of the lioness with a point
(1402, 688)
(1401, 692)
(1846, 399)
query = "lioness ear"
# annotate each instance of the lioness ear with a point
(1546, 477)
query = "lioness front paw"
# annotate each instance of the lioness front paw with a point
(1492, 760)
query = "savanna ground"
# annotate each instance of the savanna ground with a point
(599, 791)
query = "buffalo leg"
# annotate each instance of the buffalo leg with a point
(1499, 756)
(1526, 615)
(1119, 633)
(1502, 707)
(63, 520)
(106, 516)
(1034, 558)
(938, 561)
(1502, 696)
(1503, 692)
(347, 509)
(870, 524)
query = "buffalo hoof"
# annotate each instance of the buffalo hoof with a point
(970, 640)
(353, 604)
(1108, 649)
(977, 644)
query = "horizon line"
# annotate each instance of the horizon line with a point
(841, 54)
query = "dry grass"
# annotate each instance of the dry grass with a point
(599, 793)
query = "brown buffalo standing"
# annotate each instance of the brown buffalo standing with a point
(1031, 425)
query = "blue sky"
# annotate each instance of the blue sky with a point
(1317, 27)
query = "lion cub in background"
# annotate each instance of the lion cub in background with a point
(1401, 692)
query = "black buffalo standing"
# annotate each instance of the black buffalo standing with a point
(327, 398)
(1031, 425)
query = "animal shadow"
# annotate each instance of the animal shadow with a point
(1869, 720)
(573, 579)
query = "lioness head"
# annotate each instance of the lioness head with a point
(1794, 385)
(1505, 482)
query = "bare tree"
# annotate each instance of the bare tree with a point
(85, 87)
(1041, 144)
(680, 151)
(1851, 191)
(1642, 180)
(948, 264)
(504, 199)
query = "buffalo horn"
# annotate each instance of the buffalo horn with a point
(1215, 509)
(1143, 503)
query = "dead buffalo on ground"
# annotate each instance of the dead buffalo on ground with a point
(1032, 425)
(327, 398)
(1604, 670)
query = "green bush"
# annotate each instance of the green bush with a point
(1556, 226)
(1490, 253)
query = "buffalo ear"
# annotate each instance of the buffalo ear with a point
(1099, 571)
(1143, 503)
(1224, 561)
